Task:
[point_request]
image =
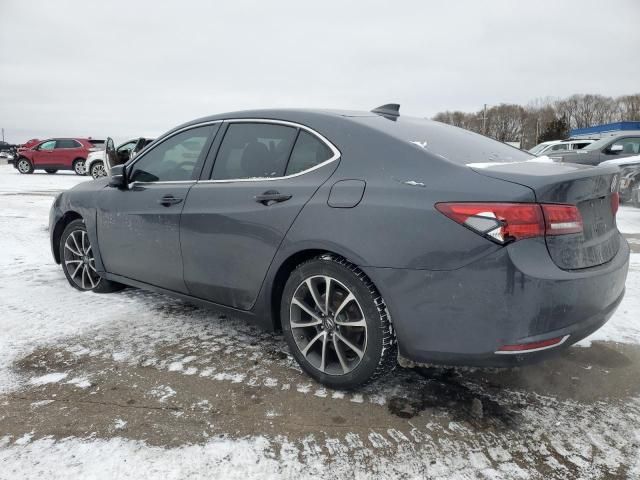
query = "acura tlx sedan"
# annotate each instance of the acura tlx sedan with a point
(362, 236)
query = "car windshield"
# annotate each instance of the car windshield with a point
(598, 144)
(538, 148)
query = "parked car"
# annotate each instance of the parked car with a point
(96, 163)
(607, 148)
(559, 146)
(357, 234)
(6, 147)
(629, 175)
(55, 154)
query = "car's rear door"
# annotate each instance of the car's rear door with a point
(234, 220)
(67, 150)
(139, 227)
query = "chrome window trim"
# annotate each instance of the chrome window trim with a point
(336, 153)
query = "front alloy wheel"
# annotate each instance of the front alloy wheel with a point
(98, 170)
(79, 263)
(24, 166)
(336, 323)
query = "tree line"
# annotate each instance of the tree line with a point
(545, 118)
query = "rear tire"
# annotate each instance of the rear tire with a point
(78, 166)
(98, 170)
(343, 343)
(24, 165)
(50, 170)
(78, 261)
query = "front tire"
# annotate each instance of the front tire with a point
(78, 167)
(98, 170)
(336, 323)
(78, 261)
(25, 166)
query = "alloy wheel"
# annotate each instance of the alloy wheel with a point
(78, 167)
(98, 171)
(79, 260)
(328, 325)
(24, 166)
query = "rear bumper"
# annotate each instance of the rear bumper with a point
(516, 295)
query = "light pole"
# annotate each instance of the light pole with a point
(484, 120)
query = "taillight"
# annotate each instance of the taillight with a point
(507, 222)
(562, 219)
(615, 202)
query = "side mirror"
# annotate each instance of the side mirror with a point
(616, 148)
(118, 177)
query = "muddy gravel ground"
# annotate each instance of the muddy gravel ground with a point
(90, 377)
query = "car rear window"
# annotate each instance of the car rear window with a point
(67, 143)
(452, 143)
(97, 143)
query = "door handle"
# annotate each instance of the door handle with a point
(271, 196)
(169, 200)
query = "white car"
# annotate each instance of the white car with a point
(98, 166)
(546, 148)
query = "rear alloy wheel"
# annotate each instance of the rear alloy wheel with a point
(336, 323)
(78, 167)
(98, 170)
(78, 261)
(50, 170)
(24, 165)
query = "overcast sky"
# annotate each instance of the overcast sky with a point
(128, 68)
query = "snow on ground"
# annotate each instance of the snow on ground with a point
(559, 434)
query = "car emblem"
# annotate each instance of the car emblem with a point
(614, 183)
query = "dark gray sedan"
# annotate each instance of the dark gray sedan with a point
(361, 235)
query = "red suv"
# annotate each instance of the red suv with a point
(56, 154)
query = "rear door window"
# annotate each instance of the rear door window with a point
(254, 150)
(67, 143)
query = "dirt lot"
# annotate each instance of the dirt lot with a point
(136, 384)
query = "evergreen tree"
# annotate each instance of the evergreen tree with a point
(557, 129)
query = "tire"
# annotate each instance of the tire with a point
(24, 165)
(356, 301)
(78, 262)
(78, 166)
(51, 170)
(98, 170)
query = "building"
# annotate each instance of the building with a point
(606, 130)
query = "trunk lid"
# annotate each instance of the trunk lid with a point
(589, 188)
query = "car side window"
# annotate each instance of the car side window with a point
(127, 147)
(174, 159)
(66, 143)
(308, 152)
(50, 145)
(629, 145)
(254, 150)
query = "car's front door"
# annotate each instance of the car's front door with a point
(232, 224)
(620, 148)
(45, 154)
(138, 227)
